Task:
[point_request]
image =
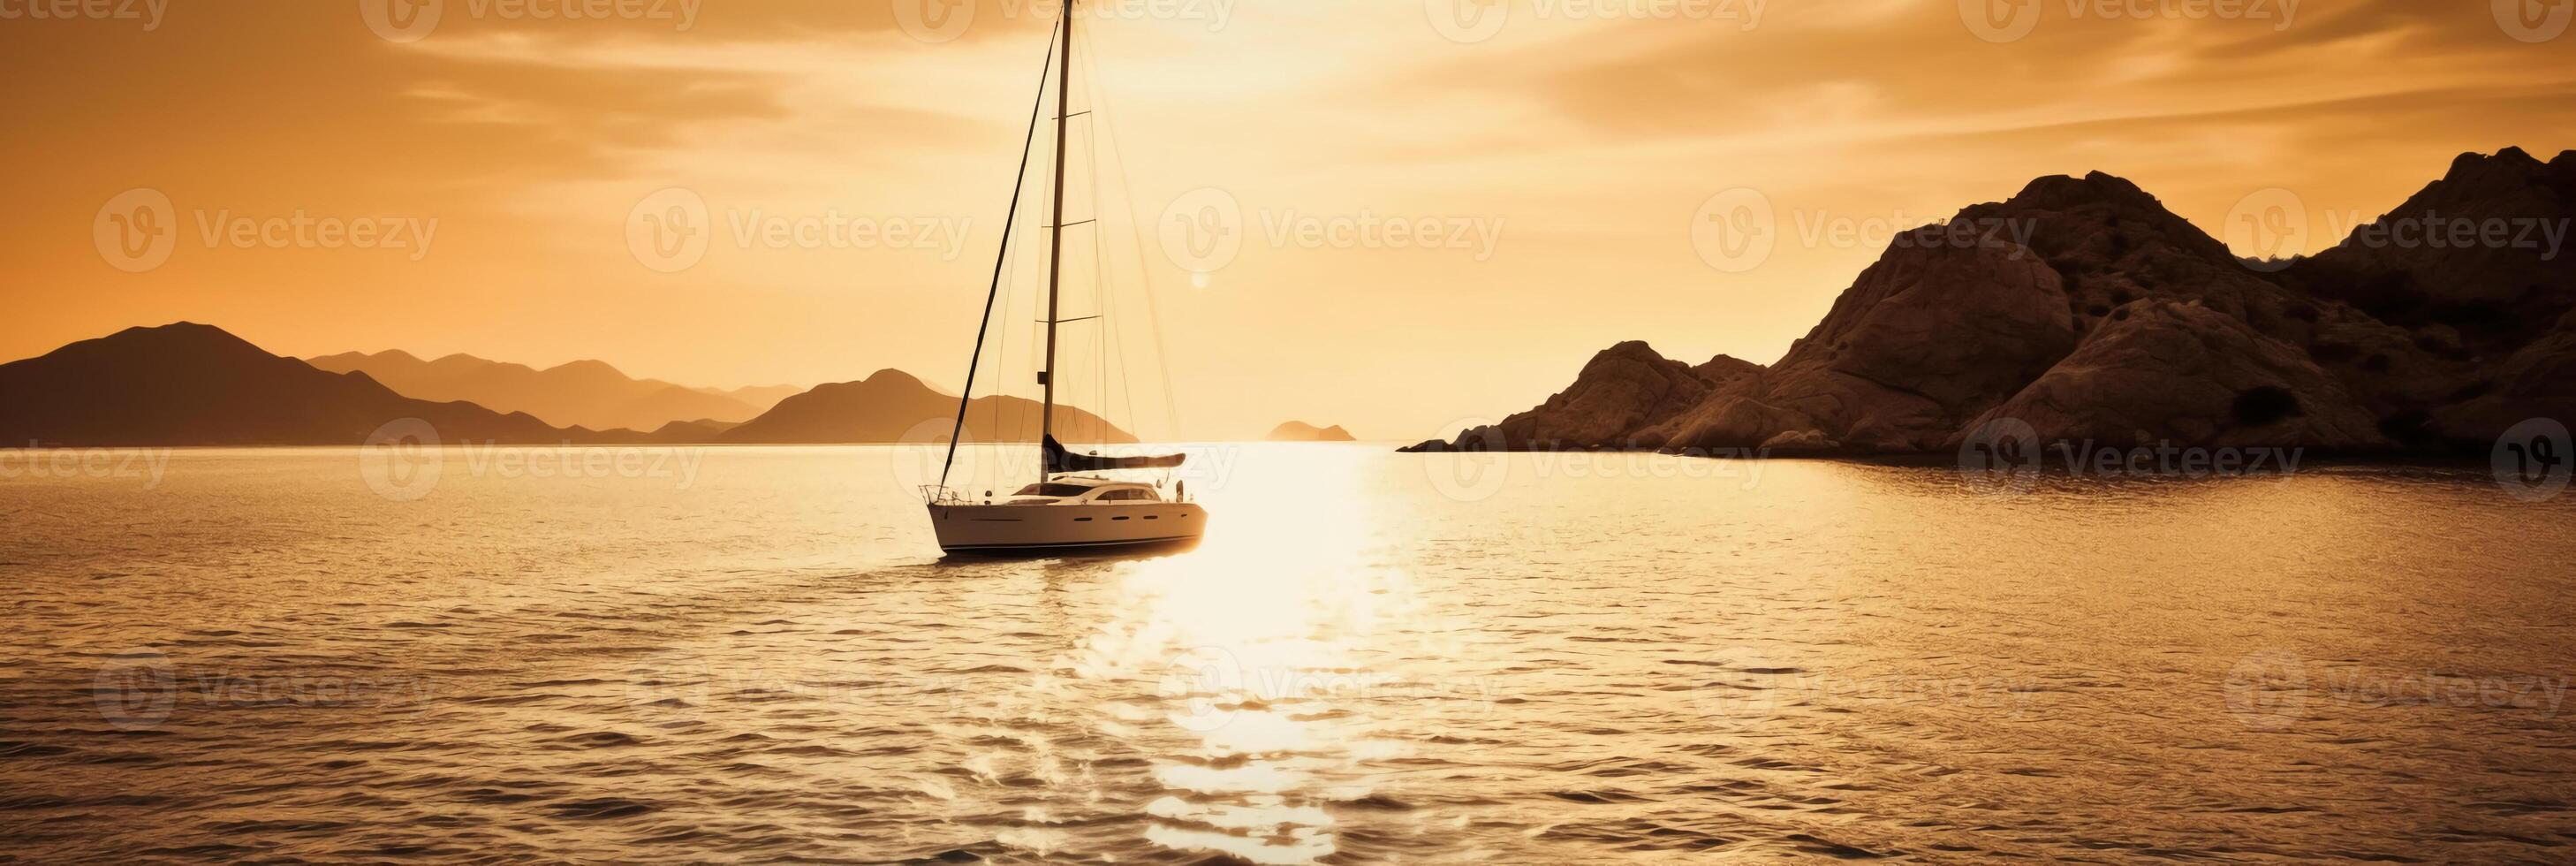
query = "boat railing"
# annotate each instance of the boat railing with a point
(937, 495)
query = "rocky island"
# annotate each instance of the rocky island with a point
(2120, 322)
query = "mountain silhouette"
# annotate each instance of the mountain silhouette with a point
(1300, 431)
(2123, 323)
(190, 384)
(581, 393)
(894, 406)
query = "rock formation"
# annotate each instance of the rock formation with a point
(2085, 308)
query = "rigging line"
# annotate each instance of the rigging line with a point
(1153, 308)
(1102, 290)
(1114, 336)
(966, 398)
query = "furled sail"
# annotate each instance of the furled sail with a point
(1060, 460)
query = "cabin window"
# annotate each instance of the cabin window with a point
(1060, 491)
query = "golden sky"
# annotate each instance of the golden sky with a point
(1563, 155)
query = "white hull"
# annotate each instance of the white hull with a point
(1064, 526)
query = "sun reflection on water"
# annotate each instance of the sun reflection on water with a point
(1257, 643)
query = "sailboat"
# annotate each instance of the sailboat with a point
(1073, 506)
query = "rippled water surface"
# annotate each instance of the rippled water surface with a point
(1373, 657)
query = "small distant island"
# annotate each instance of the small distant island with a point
(1300, 431)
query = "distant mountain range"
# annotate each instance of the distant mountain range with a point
(188, 384)
(1300, 431)
(893, 406)
(2124, 324)
(582, 393)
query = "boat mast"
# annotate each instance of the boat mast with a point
(1055, 240)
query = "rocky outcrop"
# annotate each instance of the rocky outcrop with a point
(1927, 338)
(2465, 250)
(2084, 307)
(1625, 391)
(2538, 381)
(2175, 371)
